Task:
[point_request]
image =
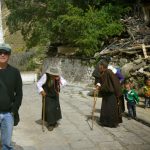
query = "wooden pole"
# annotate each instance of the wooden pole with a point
(93, 109)
(43, 113)
(144, 51)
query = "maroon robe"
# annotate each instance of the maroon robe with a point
(110, 90)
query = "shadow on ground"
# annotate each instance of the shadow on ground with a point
(18, 147)
(140, 105)
(91, 119)
(39, 122)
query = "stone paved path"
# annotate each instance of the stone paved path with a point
(74, 131)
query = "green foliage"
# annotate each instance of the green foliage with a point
(87, 30)
(34, 19)
(31, 65)
(86, 24)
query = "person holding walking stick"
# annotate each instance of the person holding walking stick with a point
(49, 88)
(110, 90)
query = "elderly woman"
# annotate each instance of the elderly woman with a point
(110, 90)
(49, 87)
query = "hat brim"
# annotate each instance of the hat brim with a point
(5, 47)
(52, 73)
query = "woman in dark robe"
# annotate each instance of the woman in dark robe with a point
(49, 87)
(110, 90)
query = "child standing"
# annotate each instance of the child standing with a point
(147, 93)
(132, 99)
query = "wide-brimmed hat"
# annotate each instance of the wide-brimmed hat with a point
(53, 71)
(5, 47)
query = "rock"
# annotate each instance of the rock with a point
(138, 61)
(141, 70)
(123, 61)
(126, 69)
(138, 66)
(147, 39)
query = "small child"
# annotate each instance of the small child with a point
(146, 92)
(132, 99)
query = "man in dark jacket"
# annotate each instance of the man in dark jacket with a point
(10, 97)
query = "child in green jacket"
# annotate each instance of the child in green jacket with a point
(132, 99)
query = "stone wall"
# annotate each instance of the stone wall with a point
(73, 70)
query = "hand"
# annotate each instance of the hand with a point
(98, 84)
(98, 87)
(43, 93)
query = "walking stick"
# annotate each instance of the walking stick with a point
(93, 109)
(43, 113)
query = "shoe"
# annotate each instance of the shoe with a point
(50, 128)
(56, 125)
(129, 118)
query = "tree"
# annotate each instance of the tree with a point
(68, 22)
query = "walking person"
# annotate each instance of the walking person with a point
(110, 90)
(49, 87)
(146, 92)
(10, 97)
(116, 71)
(132, 99)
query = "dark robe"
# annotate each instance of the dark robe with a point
(110, 90)
(52, 105)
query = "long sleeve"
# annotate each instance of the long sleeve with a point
(40, 83)
(136, 97)
(63, 82)
(11, 89)
(18, 93)
(116, 85)
(110, 83)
